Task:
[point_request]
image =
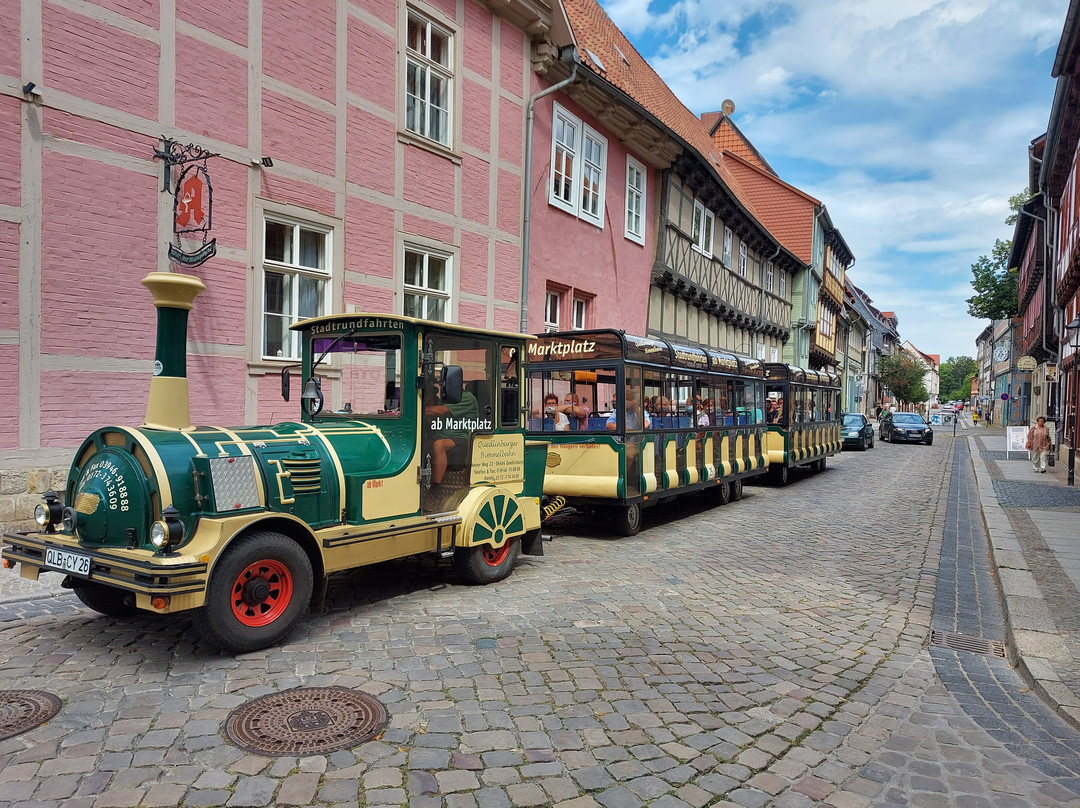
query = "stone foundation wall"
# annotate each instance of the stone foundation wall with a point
(21, 490)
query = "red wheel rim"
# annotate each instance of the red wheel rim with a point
(494, 556)
(261, 593)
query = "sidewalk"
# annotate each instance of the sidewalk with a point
(1033, 521)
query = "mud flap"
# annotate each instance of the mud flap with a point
(532, 543)
(318, 595)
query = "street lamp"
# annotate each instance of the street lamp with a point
(1074, 326)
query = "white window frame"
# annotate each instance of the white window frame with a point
(761, 352)
(742, 259)
(769, 276)
(783, 283)
(774, 354)
(726, 257)
(296, 271)
(587, 156)
(704, 227)
(429, 68)
(579, 313)
(635, 200)
(552, 300)
(422, 290)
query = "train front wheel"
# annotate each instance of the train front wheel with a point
(484, 564)
(258, 592)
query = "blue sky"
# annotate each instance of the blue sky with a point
(909, 119)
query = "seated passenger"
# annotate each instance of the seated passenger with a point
(553, 411)
(573, 408)
(451, 436)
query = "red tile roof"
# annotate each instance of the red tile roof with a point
(786, 211)
(604, 49)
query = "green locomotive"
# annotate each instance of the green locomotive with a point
(416, 446)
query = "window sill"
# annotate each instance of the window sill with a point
(405, 136)
(273, 367)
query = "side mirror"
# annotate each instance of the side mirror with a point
(453, 384)
(286, 383)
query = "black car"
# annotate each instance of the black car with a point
(905, 427)
(857, 431)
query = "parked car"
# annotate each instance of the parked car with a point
(857, 431)
(905, 427)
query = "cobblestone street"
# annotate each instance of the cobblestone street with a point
(773, 651)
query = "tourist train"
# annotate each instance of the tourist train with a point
(414, 438)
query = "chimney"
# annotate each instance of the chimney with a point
(167, 406)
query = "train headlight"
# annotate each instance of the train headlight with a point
(168, 531)
(49, 512)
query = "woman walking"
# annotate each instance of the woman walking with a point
(1038, 444)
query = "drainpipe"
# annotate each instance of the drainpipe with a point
(568, 53)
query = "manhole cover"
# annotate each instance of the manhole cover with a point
(306, 721)
(965, 642)
(21, 710)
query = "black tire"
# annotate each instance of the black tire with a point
(736, 490)
(484, 564)
(865, 444)
(930, 442)
(822, 464)
(259, 589)
(780, 475)
(870, 445)
(721, 493)
(627, 519)
(104, 599)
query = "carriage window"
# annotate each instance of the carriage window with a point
(370, 374)
(475, 357)
(510, 391)
(570, 400)
(775, 405)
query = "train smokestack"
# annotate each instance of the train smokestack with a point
(168, 405)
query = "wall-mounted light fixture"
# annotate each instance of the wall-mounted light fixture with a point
(264, 162)
(31, 90)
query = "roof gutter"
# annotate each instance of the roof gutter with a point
(566, 54)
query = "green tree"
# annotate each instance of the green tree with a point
(996, 288)
(955, 375)
(904, 377)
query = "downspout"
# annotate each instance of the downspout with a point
(565, 54)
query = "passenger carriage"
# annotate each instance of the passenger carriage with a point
(653, 420)
(804, 419)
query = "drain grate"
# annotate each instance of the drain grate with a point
(306, 721)
(21, 710)
(965, 642)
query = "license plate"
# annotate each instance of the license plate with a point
(66, 561)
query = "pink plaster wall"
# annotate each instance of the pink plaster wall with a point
(476, 126)
(100, 211)
(429, 179)
(98, 235)
(102, 399)
(9, 396)
(371, 145)
(10, 20)
(477, 46)
(98, 62)
(211, 91)
(10, 150)
(475, 189)
(9, 275)
(299, 44)
(577, 255)
(372, 55)
(369, 238)
(297, 133)
(226, 18)
(144, 11)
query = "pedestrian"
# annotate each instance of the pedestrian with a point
(1039, 445)
(990, 416)
(975, 417)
